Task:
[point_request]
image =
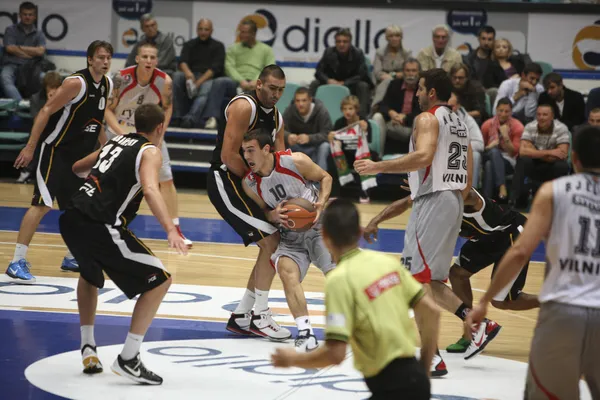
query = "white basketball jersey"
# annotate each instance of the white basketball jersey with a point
(448, 170)
(573, 246)
(134, 95)
(284, 182)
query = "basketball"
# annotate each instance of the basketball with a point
(301, 214)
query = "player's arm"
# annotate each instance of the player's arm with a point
(312, 172)
(82, 167)
(65, 93)
(467, 189)
(427, 131)
(167, 100)
(279, 138)
(238, 119)
(276, 216)
(149, 167)
(102, 139)
(393, 210)
(113, 102)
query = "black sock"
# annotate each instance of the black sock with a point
(462, 311)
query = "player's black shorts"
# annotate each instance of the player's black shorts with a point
(475, 256)
(237, 209)
(113, 249)
(54, 177)
(402, 378)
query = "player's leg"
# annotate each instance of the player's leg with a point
(461, 284)
(514, 298)
(590, 364)
(68, 186)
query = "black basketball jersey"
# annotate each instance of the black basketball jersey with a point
(77, 125)
(112, 193)
(492, 221)
(266, 118)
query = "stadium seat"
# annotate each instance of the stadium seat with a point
(287, 97)
(331, 96)
(546, 68)
(375, 143)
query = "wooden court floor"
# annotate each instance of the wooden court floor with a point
(228, 265)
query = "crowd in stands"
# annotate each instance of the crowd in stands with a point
(520, 120)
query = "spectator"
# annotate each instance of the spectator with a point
(523, 92)
(400, 106)
(502, 139)
(167, 61)
(503, 54)
(593, 120)
(568, 105)
(471, 92)
(345, 65)
(483, 67)
(200, 81)
(247, 58)
(542, 155)
(440, 55)
(389, 61)
(307, 124)
(475, 137)
(22, 44)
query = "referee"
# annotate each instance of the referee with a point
(367, 298)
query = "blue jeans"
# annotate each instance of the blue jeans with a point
(318, 153)
(494, 171)
(8, 77)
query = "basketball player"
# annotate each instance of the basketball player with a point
(490, 230)
(247, 111)
(439, 165)
(70, 124)
(274, 178)
(123, 171)
(566, 342)
(141, 84)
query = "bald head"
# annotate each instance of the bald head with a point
(204, 29)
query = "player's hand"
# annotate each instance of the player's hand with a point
(370, 232)
(303, 138)
(176, 242)
(366, 167)
(319, 209)
(284, 357)
(474, 318)
(279, 214)
(25, 157)
(406, 185)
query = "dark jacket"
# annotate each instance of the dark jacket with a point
(201, 56)
(472, 98)
(493, 75)
(394, 100)
(353, 70)
(317, 127)
(574, 110)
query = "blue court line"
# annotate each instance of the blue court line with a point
(209, 230)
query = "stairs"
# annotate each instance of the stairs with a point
(190, 149)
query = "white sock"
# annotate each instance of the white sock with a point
(304, 323)
(69, 254)
(262, 300)
(132, 346)
(20, 252)
(176, 221)
(246, 303)
(87, 335)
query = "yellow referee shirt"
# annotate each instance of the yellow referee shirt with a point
(367, 298)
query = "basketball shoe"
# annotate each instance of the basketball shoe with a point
(240, 323)
(438, 366)
(459, 347)
(305, 341)
(69, 264)
(135, 370)
(264, 325)
(19, 272)
(91, 362)
(487, 331)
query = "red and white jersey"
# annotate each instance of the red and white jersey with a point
(284, 182)
(448, 170)
(134, 95)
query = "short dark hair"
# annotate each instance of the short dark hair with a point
(532, 68)
(344, 32)
(505, 101)
(262, 136)
(458, 97)
(486, 29)
(547, 104)
(552, 77)
(147, 117)
(146, 43)
(341, 223)
(439, 80)
(27, 5)
(95, 45)
(586, 144)
(271, 70)
(251, 24)
(302, 90)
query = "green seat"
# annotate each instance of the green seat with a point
(17, 137)
(287, 97)
(546, 68)
(375, 143)
(331, 96)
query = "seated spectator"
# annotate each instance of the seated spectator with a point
(568, 105)
(167, 59)
(475, 137)
(472, 94)
(307, 124)
(345, 65)
(593, 120)
(440, 55)
(350, 108)
(503, 54)
(23, 43)
(523, 92)
(199, 87)
(502, 139)
(389, 61)
(542, 155)
(400, 106)
(484, 68)
(247, 58)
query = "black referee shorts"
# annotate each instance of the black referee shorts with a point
(98, 247)
(236, 208)
(402, 378)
